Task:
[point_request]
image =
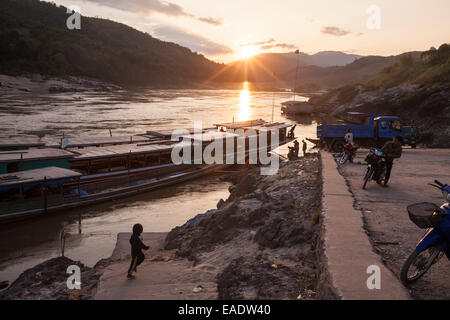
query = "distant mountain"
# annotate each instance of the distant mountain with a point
(260, 69)
(329, 59)
(283, 62)
(34, 39)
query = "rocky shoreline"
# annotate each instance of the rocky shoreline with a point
(268, 230)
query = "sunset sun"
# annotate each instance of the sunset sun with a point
(247, 52)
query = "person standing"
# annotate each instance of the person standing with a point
(137, 257)
(304, 148)
(349, 137)
(291, 132)
(393, 150)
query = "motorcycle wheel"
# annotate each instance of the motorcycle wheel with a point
(418, 264)
(367, 176)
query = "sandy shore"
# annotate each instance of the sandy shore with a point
(35, 83)
(261, 243)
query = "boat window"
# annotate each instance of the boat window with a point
(395, 125)
(12, 167)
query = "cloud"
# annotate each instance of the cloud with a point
(192, 41)
(278, 45)
(334, 31)
(258, 43)
(269, 44)
(149, 7)
(213, 21)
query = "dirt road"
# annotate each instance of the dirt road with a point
(392, 234)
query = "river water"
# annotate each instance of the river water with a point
(92, 231)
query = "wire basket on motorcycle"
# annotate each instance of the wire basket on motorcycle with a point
(425, 214)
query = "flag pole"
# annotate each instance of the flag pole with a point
(296, 71)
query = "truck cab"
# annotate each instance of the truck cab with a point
(387, 127)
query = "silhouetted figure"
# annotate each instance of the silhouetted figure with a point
(137, 257)
(393, 150)
(291, 131)
(293, 151)
(304, 148)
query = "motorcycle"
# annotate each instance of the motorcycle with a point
(436, 241)
(347, 154)
(375, 164)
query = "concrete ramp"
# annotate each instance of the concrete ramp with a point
(348, 252)
(160, 276)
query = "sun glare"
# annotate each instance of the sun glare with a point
(244, 103)
(247, 52)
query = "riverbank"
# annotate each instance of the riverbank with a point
(35, 83)
(261, 243)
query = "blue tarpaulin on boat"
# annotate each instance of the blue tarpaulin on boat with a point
(28, 186)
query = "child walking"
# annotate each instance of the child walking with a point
(137, 257)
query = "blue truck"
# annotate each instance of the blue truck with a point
(376, 132)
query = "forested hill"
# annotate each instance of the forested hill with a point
(34, 39)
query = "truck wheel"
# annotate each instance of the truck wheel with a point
(338, 146)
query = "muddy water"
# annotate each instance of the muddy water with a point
(92, 231)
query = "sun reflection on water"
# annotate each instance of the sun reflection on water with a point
(244, 103)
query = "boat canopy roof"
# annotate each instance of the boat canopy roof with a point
(34, 154)
(241, 124)
(20, 142)
(210, 136)
(50, 174)
(76, 142)
(272, 126)
(120, 150)
(167, 133)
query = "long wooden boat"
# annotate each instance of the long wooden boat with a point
(49, 180)
(297, 107)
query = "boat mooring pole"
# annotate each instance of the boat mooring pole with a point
(273, 97)
(45, 194)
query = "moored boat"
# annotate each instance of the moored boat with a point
(60, 179)
(297, 107)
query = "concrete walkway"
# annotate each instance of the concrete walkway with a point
(347, 248)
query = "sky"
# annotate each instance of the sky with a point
(227, 30)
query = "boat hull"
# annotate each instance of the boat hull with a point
(297, 109)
